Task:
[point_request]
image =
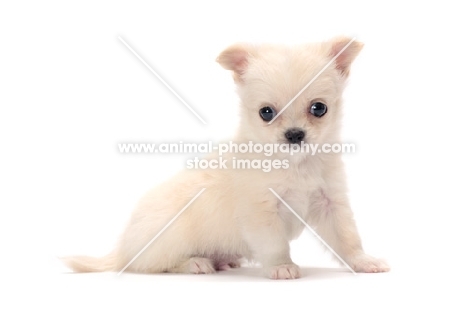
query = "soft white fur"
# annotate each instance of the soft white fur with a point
(237, 216)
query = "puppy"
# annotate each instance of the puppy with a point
(238, 216)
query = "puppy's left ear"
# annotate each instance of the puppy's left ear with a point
(347, 55)
(236, 58)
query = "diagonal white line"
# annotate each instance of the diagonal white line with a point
(313, 79)
(313, 231)
(162, 230)
(162, 81)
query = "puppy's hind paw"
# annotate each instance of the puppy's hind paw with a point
(284, 272)
(235, 264)
(369, 264)
(225, 266)
(199, 265)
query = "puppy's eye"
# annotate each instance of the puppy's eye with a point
(318, 109)
(267, 113)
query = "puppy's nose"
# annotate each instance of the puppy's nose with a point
(294, 135)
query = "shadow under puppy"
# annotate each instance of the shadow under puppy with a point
(238, 216)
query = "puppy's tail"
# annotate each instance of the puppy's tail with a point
(91, 264)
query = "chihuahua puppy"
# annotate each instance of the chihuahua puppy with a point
(238, 216)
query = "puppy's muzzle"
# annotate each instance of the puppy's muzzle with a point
(294, 135)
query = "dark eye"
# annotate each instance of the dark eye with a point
(318, 109)
(267, 113)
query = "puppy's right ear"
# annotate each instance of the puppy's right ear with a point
(236, 58)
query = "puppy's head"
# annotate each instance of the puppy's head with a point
(269, 79)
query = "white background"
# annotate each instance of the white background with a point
(70, 91)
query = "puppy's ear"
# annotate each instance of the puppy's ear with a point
(344, 60)
(236, 58)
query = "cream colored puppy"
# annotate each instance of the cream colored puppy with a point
(237, 216)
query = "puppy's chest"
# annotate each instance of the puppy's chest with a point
(300, 192)
(298, 199)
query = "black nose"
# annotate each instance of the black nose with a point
(294, 135)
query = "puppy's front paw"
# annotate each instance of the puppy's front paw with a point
(284, 272)
(198, 265)
(369, 264)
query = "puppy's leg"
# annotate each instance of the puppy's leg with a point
(335, 223)
(195, 265)
(265, 233)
